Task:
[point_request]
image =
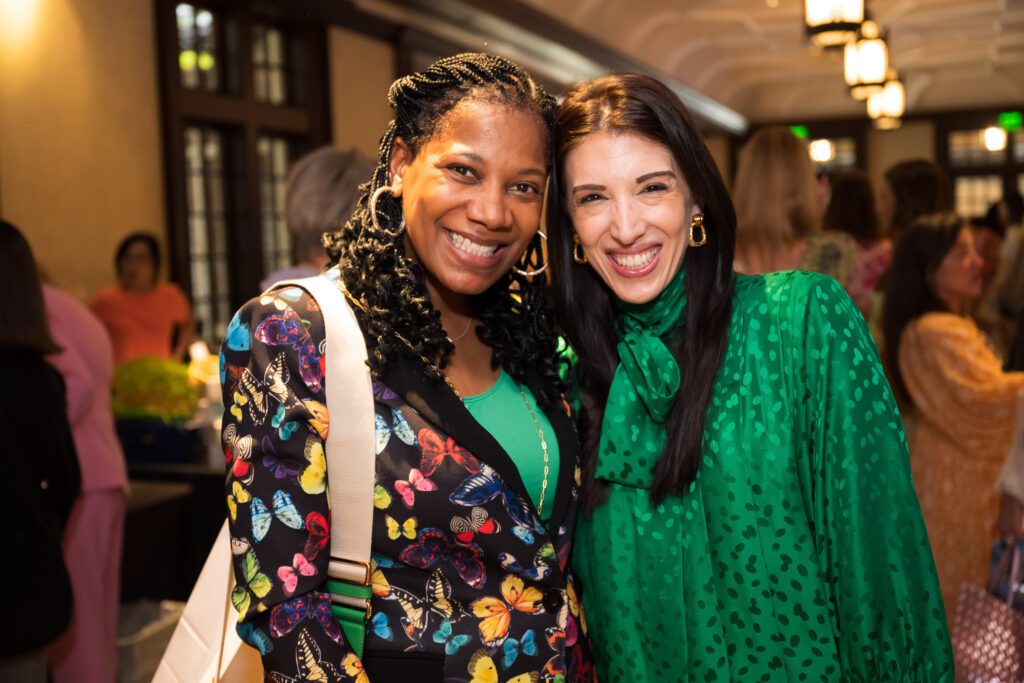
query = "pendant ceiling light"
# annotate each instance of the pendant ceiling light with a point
(833, 23)
(887, 106)
(866, 61)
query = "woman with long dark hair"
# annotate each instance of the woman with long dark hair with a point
(962, 405)
(477, 461)
(41, 477)
(749, 513)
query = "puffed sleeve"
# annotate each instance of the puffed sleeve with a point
(958, 383)
(870, 536)
(275, 423)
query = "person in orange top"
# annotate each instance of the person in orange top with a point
(143, 316)
(963, 405)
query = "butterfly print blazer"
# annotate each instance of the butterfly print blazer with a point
(468, 583)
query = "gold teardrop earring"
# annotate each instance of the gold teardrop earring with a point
(697, 223)
(578, 255)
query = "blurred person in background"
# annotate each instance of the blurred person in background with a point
(323, 187)
(41, 478)
(988, 232)
(778, 209)
(852, 210)
(964, 405)
(911, 189)
(1010, 279)
(92, 541)
(145, 317)
(1011, 214)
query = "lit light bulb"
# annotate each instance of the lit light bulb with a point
(994, 138)
(822, 151)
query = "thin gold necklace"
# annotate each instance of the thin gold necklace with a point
(540, 431)
(543, 447)
(464, 332)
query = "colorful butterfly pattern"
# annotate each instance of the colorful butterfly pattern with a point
(463, 571)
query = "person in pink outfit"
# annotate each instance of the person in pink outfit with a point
(87, 651)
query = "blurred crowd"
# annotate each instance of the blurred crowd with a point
(944, 297)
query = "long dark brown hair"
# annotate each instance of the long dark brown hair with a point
(851, 209)
(22, 310)
(584, 305)
(909, 293)
(919, 188)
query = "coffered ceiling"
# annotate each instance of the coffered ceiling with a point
(753, 57)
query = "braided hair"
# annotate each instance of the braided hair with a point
(399, 318)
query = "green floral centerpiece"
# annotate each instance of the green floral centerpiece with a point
(154, 388)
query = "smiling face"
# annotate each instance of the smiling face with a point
(631, 209)
(472, 195)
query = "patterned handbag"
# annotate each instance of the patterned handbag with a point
(988, 639)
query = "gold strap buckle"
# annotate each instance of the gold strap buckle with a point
(350, 571)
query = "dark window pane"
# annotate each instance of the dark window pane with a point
(204, 152)
(269, 64)
(275, 157)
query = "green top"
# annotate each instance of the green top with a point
(799, 552)
(501, 411)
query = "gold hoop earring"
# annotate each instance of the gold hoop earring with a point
(538, 271)
(697, 223)
(578, 255)
(373, 209)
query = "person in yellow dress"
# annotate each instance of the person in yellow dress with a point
(962, 404)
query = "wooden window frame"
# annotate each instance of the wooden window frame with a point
(1008, 169)
(244, 117)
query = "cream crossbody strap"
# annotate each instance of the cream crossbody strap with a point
(350, 445)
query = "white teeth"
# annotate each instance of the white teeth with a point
(636, 261)
(471, 247)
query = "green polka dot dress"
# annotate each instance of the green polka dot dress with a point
(799, 552)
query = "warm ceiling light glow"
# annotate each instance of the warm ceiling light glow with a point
(822, 151)
(888, 105)
(994, 138)
(831, 23)
(866, 61)
(17, 20)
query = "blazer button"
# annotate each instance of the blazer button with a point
(553, 600)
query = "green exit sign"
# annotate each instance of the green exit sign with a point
(1011, 121)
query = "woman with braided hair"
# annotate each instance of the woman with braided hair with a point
(477, 459)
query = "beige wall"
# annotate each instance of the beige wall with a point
(361, 71)
(912, 140)
(80, 159)
(718, 145)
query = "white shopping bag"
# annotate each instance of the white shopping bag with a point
(205, 637)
